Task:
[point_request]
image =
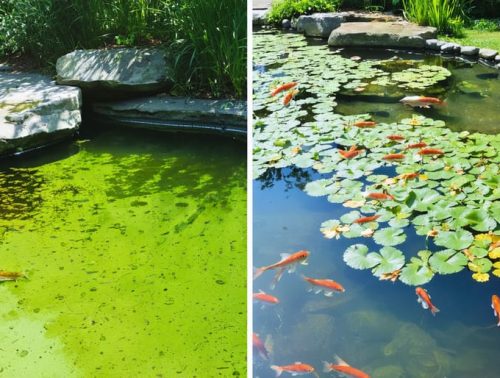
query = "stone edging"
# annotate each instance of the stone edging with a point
(487, 56)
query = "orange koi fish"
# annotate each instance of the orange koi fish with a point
(350, 153)
(363, 124)
(395, 137)
(297, 368)
(259, 346)
(287, 262)
(408, 176)
(283, 87)
(421, 101)
(416, 145)
(261, 296)
(343, 367)
(289, 96)
(366, 219)
(10, 276)
(430, 151)
(394, 157)
(425, 299)
(328, 287)
(495, 305)
(379, 196)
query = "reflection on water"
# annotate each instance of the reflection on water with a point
(376, 326)
(128, 271)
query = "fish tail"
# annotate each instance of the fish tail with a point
(434, 310)
(277, 369)
(277, 277)
(326, 367)
(258, 271)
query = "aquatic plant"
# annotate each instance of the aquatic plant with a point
(451, 200)
(288, 9)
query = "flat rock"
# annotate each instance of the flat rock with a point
(355, 16)
(497, 59)
(487, 53)
(382, 34)
(469, 50)
(450, 48)
(178, 114)
(319, 24)
(129, 70)
(34, 111)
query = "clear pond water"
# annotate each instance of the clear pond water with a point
(133, 244)
(376, 326)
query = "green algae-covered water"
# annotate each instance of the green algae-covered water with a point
(134, 248)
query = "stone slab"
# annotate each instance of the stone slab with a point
(488, 53)
(319, 24)
(34, 111)
(130, 70)
(381, 34)
(357, 16)
(178, 114)
(450, 48)
(469, 50)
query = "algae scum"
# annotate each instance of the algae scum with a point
(437, 227)
(134, 250)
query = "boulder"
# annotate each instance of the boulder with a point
(34, 111)
(319, 24)
(450, 48)
(177, 114)
(382, 34)
(469, 50)
(286, 24)
(259, 17)
(431, 44)
(487, 53)
(123, 70)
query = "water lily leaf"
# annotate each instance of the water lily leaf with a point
(333, 228)
(321, 187)
(416, 274)
(389, 236)
(391, 259)
(481, 277)
(399, 223)
(357, 257)
(458, 239)
(447, 261)
(480, 265)
(478, 252)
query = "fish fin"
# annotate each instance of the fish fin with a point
(419, 300)
(277, 369)
(328, 293)
(258, 271)
(317, 291)
(498, 324)
(326, 367)
(261, 291)
(292, 268)
(424, 305)
(277, 277)
(297, 362)
(284, 256)
(340, 361)
(311, 289)
(434, 310)
(304, 262)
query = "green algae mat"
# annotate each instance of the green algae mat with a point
(134, 254)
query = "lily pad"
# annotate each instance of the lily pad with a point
(391, 259)
(458, 239)
(358, 257)
(447, 261)
(389, 236)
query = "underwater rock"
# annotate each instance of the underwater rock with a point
(319, 24)
(125, 70)
(469, 50)
(487, 53)
(392, 371)
(34, 111)
(373, 325)
(450, 48)
(382, 34)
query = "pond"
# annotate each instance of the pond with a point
(434, 218)
(127, 270)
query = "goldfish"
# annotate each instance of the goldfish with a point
(259, 346)
(287, 262)
(425, 299)
(378, 196)
(261, 296)
(340, 366)
(350, 153)
(10, 276)
(416, 145)
(408, 176)
(495, 305)
(364, 124)
(289, 96)
(394, 157)
(297, 368)
(395, 137)
(421, 101)
(283, 87)
(366, 219)
(430, 151)
(329, 287)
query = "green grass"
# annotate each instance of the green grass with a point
(477, 38)
(208, 36)
(287, 9)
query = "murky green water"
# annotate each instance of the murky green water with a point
(134, 247)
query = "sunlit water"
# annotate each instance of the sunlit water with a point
(134, 248)
(376, 326)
